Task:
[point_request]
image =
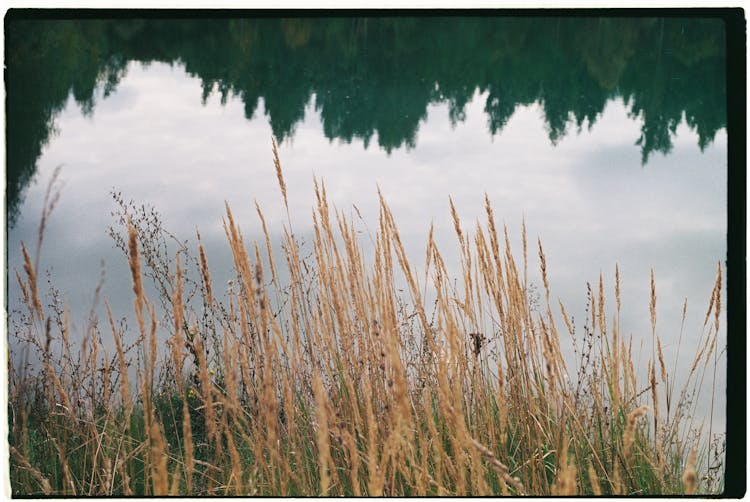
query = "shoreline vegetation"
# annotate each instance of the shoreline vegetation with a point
(337, 383)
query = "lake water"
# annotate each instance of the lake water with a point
(607, 135)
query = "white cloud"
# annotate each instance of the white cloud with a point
(588, 198)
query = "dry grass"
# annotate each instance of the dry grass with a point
(337, 384)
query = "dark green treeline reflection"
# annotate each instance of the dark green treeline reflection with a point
(378, 75)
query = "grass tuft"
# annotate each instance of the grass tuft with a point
(350, 376)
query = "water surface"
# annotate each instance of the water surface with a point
(607, 135)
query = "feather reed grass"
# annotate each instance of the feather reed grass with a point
(335, 383)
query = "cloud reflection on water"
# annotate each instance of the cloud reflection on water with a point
(588, 198)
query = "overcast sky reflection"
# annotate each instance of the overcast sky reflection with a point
(588, 197)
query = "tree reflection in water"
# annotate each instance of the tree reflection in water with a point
(378, 75)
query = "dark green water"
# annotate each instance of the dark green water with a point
(375, 77)
(608, 135)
